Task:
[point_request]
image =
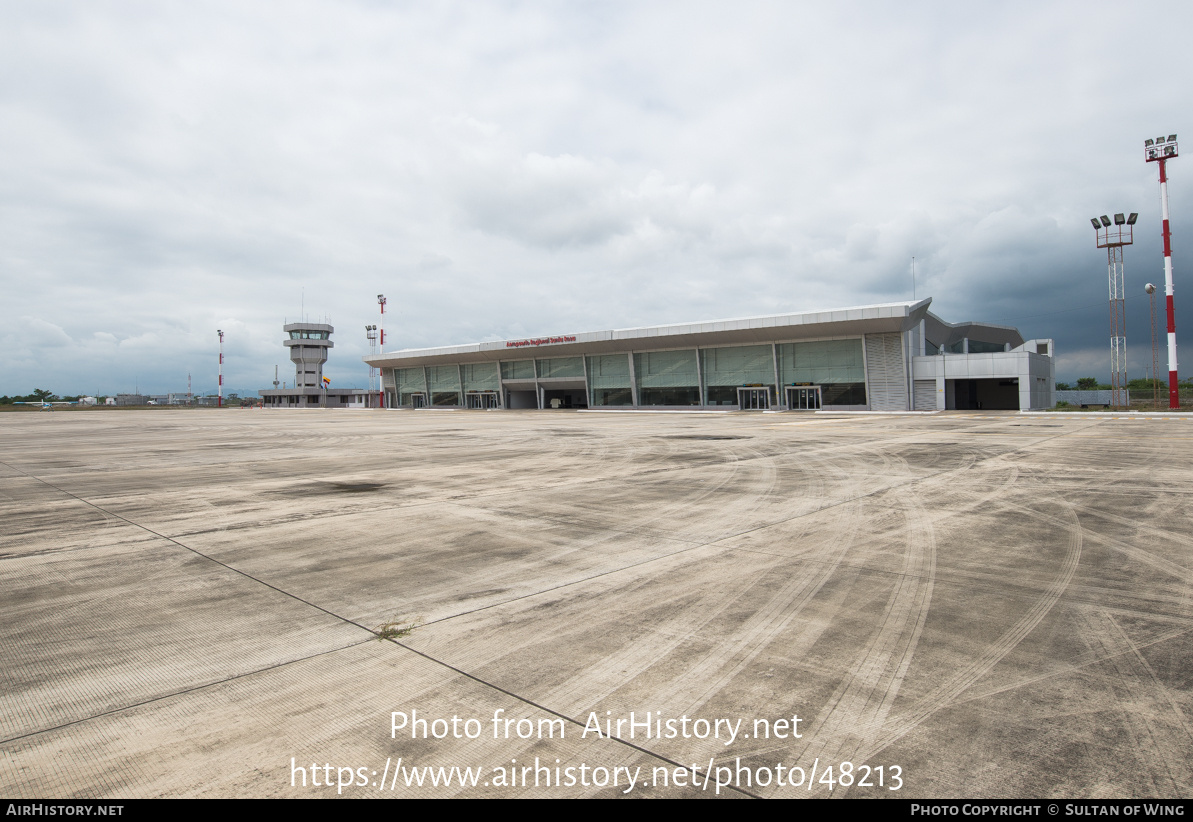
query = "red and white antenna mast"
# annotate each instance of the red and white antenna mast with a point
(381, 302)
(1113, 237)
(220, 401)
(1160, 151)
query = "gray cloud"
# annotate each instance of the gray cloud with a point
(504, 169)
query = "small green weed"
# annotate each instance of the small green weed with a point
(396, 629)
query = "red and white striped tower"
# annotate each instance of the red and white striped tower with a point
(220, 401)
(381, 302)
(1160, 151)
(381, 341)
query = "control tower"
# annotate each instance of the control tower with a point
(308, 344)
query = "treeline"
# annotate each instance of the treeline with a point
(38, 395)
(1092, 384)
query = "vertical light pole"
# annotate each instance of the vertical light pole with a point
(371, 334)
(1113, 237)
(381, 302)
(220, 401)
(1161, 151)
(1151, 298)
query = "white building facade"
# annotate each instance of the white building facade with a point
(889, 357)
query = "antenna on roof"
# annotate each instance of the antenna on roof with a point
(913, 279)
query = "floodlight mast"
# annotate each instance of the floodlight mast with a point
(220, 401)
(1161, 150)
(371, 335)
(1112, 236)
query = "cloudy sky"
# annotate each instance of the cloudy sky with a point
(501, 169)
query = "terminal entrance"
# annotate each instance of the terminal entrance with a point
(482, 400)
(521, 399)
(982, 395)
(418, 400)
(803, 397)
(753, 399)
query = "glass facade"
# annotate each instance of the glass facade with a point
(443, 381)
(409, 381)
(667, 377)
(561, 367)
(609, 380)
(979, 347)
(518, 370)
(688, 377)
(835, 365)
(481, 376)
(727, 369)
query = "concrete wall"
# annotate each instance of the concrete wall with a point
(1088, 397)
(1035, 372)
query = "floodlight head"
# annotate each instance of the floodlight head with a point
(1148, 142)
(1097, 225)
(1149, 288)
(1120, 219)
(1172, 138)
(1105, 221)
(1160, 139)
(1132, 217)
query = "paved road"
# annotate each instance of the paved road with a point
(979, 605)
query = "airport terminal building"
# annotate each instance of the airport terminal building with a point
(890, 357)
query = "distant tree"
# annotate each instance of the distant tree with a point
(1063, 386)
(42, 395)
(1087, 384)
(1144, 384)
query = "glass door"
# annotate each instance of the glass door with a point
(803, 397)
(753, 399)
